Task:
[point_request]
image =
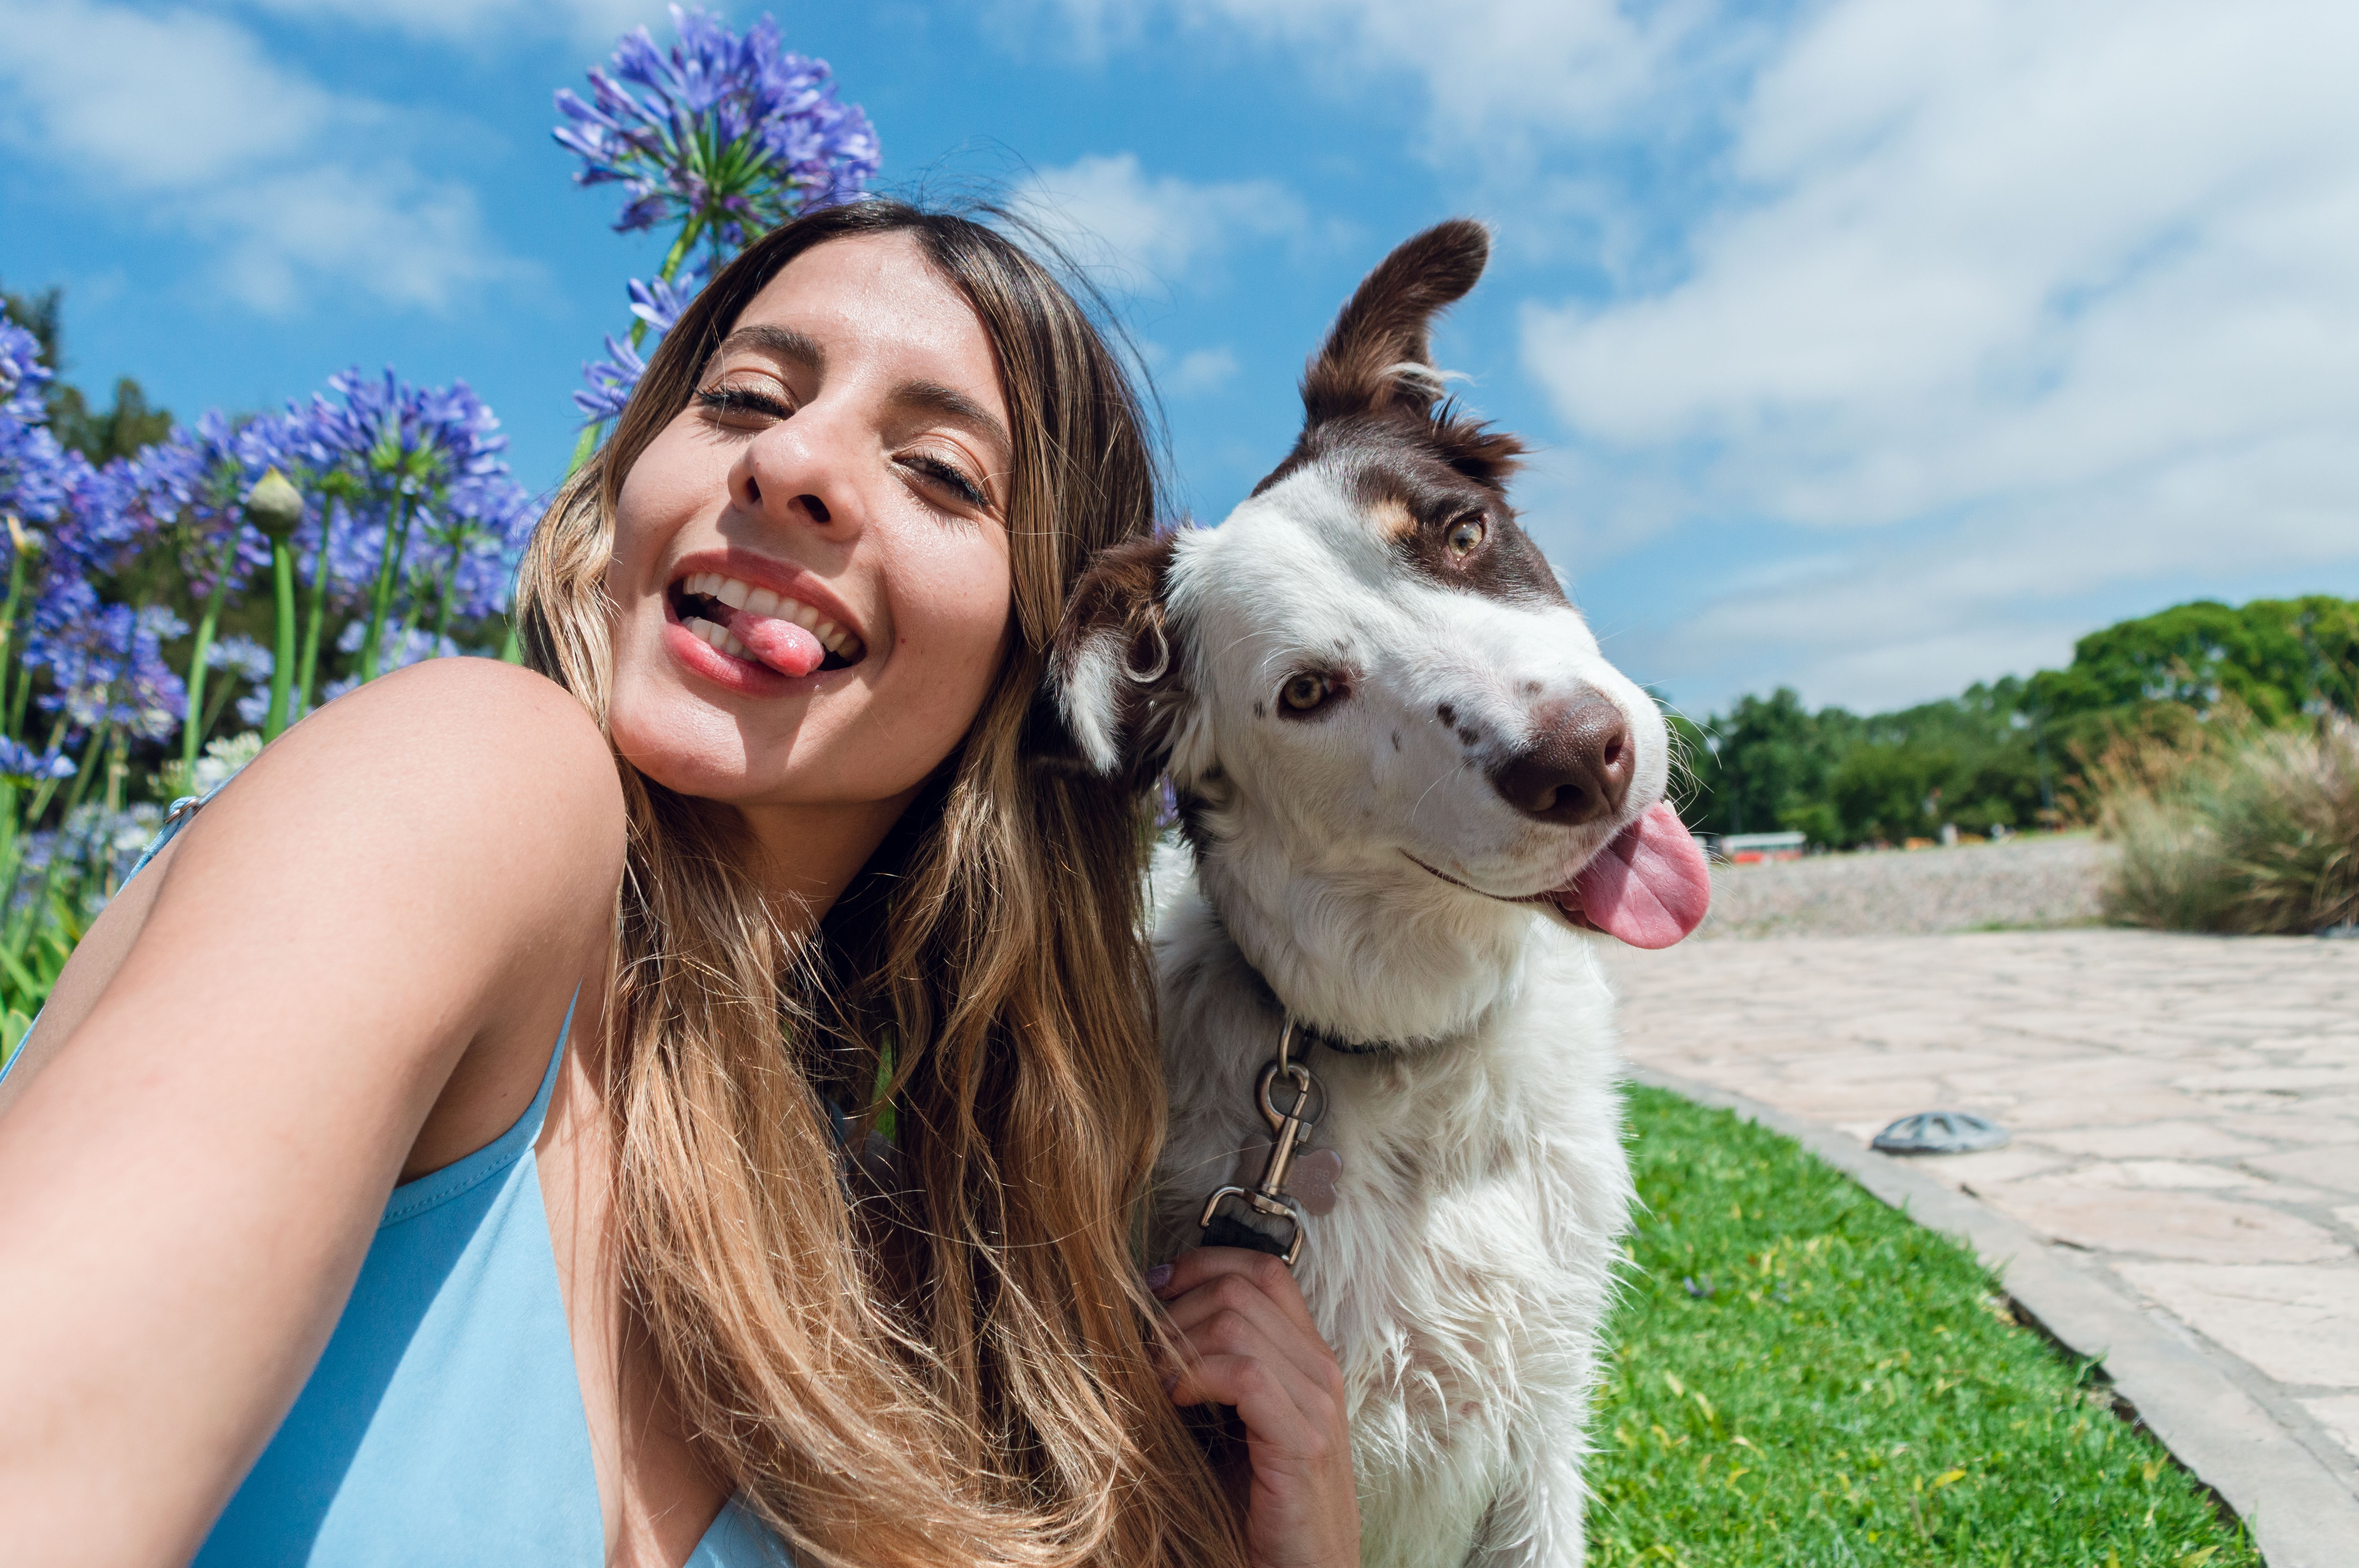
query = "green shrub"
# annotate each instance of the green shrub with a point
(2251, 830)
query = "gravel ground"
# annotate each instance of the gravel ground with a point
(2029, 884)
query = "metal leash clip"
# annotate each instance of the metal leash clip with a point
(1291, 1128)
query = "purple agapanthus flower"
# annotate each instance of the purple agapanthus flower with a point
(109, 668)
(722, 130)
(658, 304)
(21, 764)
(610, 380)
(724, 136)
(422, 464)
(38, 477)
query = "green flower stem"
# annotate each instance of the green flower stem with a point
(46, 787)
(397, 543)
(90, 754)
(449, 588)
(313, 617)
(192, 729)
(282, 654)
(12, 824)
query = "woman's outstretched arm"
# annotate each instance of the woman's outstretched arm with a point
(356, 961)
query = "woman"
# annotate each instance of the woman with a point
(312, 1248)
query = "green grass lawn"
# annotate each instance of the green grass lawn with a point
(1802, 1375)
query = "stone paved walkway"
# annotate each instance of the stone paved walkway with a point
(2185, 1109)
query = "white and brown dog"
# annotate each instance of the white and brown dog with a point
(1414, 791)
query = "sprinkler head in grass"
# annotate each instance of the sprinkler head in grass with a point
(274, 505)
(1942, 1133)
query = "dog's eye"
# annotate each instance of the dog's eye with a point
(1305, 692)
(1465, 534)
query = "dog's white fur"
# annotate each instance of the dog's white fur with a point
(1468, 1262)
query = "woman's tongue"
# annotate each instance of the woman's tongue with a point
(784, 646)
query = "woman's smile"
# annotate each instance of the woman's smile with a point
(756, 626)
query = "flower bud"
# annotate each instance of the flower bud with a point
(274, 505)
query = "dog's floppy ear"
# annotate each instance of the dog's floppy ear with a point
(1115, 673)
(1378, 358)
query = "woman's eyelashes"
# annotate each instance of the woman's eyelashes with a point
(949, 476)
(742, 403)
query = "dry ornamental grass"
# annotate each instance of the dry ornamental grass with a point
(2252, 830)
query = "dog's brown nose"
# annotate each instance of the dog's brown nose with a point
(1577, 767)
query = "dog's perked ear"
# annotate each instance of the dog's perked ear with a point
(1115, 674)
(1378, 358)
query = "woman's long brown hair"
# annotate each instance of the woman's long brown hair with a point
(955, 1365)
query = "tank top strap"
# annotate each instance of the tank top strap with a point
(438, 1187)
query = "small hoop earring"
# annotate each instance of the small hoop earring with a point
(1162, 655)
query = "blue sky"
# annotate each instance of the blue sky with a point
(1873, 347)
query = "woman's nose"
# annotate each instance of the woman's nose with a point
(802, 471)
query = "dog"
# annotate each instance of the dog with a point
(1415, 795)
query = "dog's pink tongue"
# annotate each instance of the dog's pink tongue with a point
(786, 647)
(1649, 887)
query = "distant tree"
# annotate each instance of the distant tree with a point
(123, 430)
(2010, 752)
(2277, 657)
(1764, 767)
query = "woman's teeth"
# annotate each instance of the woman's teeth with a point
(719, 637)
(755, 600)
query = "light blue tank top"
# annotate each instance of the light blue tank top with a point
(443, 1423)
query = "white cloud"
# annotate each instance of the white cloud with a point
(469, 21)
(1201, 372)
(1489, 67)
(186, 116)
(1111, 215)
(2079, 274)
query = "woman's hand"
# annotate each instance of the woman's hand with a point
(1248, 1342)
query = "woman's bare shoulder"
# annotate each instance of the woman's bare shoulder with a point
(462, 804)
(470, 746)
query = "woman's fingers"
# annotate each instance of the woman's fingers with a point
(1216, 1313)
(1247, 1340)
(1228, 1355)
(1266, 1273)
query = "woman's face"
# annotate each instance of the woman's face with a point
(810, 568)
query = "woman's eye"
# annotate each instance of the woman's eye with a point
(742, 402)
(1465, 534)
(949, 477)
(1305, 692)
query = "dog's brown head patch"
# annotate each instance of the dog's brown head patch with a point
(1431, 478)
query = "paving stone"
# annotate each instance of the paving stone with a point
(2166, 1223)
(2337, 1167)
(2339, 1414)
(2163, 1174)
(2269, 1080)
(2153, 1140)
(2105, 1108)
(1987, 1168)
(2298, 1326)
(2295, 1123)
